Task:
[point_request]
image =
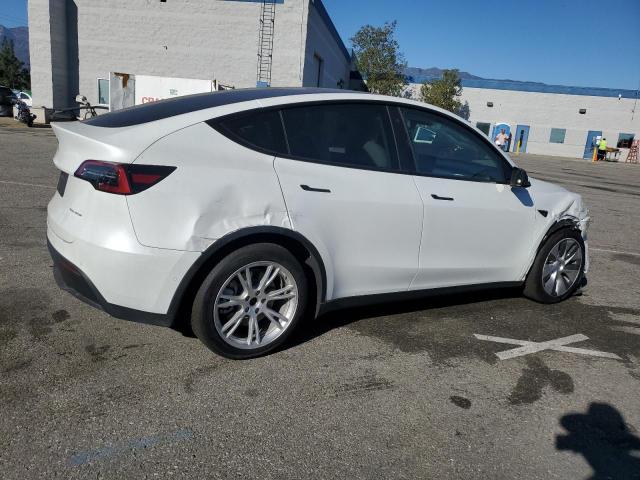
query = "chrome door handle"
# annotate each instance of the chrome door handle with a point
(307, 188)
(438, 197)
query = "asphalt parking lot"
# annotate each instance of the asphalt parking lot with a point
(411, 390)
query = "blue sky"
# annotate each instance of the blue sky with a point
(13, 13)
(552, 41)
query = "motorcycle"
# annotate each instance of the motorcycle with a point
(24, 113)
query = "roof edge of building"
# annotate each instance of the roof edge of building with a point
(319, 6)
(537, 87)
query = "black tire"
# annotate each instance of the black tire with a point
(533, 287)
(202, 317)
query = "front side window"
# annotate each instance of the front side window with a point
(353, 135)
(625, 140)
(443, 148)
(255, 129)
(103, 91)
(557, 135)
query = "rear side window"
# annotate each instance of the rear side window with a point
(257, 130)
(344, 134)
(444, 148)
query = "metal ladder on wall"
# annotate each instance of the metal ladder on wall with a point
(265, 42)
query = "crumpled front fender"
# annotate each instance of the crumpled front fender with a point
(558, 208)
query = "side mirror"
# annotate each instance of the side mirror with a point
(519, 178)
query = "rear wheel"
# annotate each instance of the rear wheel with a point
(251, 301)
(558, 269)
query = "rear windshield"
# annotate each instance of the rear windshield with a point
(151, 112)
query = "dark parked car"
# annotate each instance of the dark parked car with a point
(6, 102)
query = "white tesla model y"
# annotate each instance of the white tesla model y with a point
(246, 211)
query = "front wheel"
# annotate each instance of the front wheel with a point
(558, 269)
(251, 301)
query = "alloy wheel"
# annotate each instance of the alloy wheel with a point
(562, 267)
(255, 305)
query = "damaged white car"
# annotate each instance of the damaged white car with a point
(247, 211)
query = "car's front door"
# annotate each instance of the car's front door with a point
(477, 229)
(344, 192)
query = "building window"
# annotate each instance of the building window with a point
(103, 91)
(625, 140)
(317, 69)
(557, 135)
(484, 127)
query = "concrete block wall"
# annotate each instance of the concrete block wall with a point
(202, 39)
(188, 39)
(544, 111)
(320, 41)
(48, 52)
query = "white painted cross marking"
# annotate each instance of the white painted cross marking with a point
(559, 345)
(633, 330)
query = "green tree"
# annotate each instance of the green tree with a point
(445, 93)
(379, 59)
(12, 71)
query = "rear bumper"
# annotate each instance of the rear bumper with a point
(93, 231)
(73, 280)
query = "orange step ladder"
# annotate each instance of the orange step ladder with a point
(632, 156)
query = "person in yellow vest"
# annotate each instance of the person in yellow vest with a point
(602, 149)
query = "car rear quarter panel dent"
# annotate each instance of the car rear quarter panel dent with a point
(565, 209)
(219, 187)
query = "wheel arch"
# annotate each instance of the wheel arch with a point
(559, 224)
(570, 223)
(533, 289)
(306, 253)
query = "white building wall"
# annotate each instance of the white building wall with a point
(188, 39)
(544, 111)
(200, 39)
(48, 52)
(321, 42)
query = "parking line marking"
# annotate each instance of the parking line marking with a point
(82, 458)
(635, 254)
(26, 184)
(558, 344)
(633, 330)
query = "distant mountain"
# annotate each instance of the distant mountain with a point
(419, 75)
(20, 38)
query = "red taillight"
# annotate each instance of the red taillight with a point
(121, 179)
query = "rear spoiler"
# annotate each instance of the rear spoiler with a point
(79, 141)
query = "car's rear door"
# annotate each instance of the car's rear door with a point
(477, 229)
(345, 192)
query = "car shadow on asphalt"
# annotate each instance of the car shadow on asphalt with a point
(342, 317)
(605, 441)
